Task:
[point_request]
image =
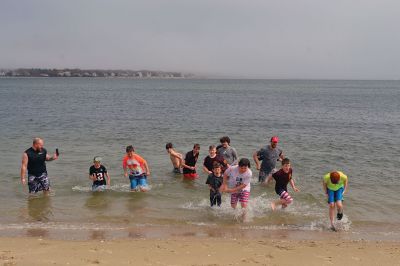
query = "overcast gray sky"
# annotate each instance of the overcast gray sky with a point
(353, 39)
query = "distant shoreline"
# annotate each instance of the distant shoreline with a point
(91, 73)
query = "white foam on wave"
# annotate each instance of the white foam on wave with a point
(115, 188)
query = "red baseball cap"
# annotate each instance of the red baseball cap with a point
(275, 139)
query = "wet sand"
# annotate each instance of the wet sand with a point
(197, 251)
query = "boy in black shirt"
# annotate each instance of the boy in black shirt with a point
(214, 182)
(98, 173)
(282, 178)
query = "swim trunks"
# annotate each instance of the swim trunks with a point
(38, 183)
(140, 180)
(334, 196)
(242, 196)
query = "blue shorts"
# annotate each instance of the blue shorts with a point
(334, 196)
(140, 180)
(96, 188)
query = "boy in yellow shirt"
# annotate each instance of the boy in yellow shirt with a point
(335, 185)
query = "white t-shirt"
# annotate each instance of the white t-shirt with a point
(235, 178)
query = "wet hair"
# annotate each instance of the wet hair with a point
(129, 148)
(244, 162)
(196, 146)
(217, 165)
(225, 139)
(169, 146)
(335, 177)
(211, 147)
(285, 161)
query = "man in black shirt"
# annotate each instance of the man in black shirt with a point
(34, 160)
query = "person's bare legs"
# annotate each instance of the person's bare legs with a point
(332, 214)
(276, 203)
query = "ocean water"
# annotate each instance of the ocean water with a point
(353, 126)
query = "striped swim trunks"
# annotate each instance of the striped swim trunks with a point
(242, 196)
(285, 196)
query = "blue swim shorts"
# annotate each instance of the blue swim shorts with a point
(96, 188)
(334, 196)
(140, 180)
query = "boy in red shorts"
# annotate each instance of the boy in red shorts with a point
(189, 164)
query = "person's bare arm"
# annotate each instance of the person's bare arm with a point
(205, 169)
(147, 168)
(108, 179)
(24, 165)
(92, 177)
(281, 157)
(255, 157)
(324, 187)
(293, 185)
(211, 188)
(237, 188)
(345, 186)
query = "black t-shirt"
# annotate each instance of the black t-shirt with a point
(190, 160)
(100, 175)
(214, 181)
(36, 161)
(282, 179)
(209, 162)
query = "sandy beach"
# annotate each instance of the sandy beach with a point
(197, 251)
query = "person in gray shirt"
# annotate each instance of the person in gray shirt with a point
(227, 152)
(269, 155)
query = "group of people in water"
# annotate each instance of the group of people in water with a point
(226, 173)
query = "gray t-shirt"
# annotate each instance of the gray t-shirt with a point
(229, 154)
(269, 157)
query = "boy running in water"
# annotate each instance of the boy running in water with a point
(237, 182)
(176, 158)
(214, 182)
(137, 169)
(282, 178)
(335, 185)
(98, 173)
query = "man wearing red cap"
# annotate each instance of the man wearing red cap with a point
(269, 155)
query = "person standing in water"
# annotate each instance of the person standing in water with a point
(98, 174)
(137, 169)
(34, 161)
(269, 155)
(227, 151)
(189, 164)
(208, 164)
(176, 158)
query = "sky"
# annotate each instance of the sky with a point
(296, 39)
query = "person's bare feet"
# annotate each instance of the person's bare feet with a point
(273, 206)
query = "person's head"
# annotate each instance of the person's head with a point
(130, 150)
(196, 148)
(335, 177)
(97, 161)
(274, 141)
(212, 150)
(169, 146)
(37, 144)
(225, 141)
(244, 165)
(217, 168)
(286, 165)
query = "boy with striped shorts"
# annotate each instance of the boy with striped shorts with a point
(237, 182)
(282, 178)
